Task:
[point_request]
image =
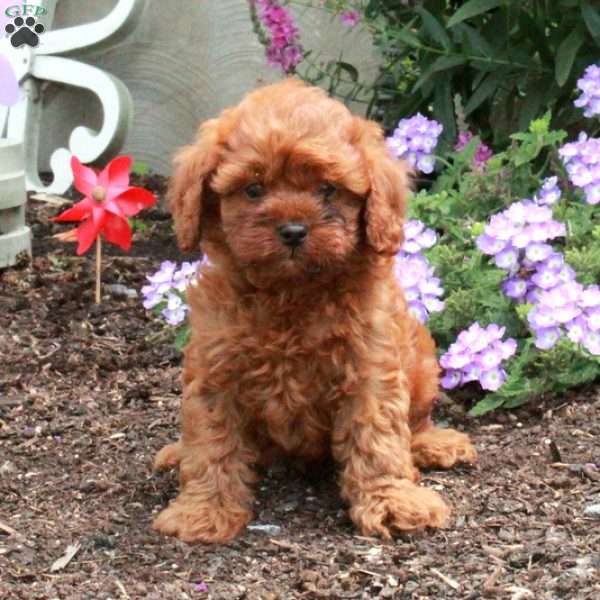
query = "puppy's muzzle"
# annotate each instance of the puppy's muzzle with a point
(292, 234)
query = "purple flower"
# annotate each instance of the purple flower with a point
(524, 225)
(508, 348)
(492, 379)
(482, 154)
(547, 337)
(456, 360)
(451, 379)
(589, 85)
(490, 358)
(472, 372)
(416, 276)
(414, 140)
(477, 355)
(517, 239)
(201, 587)
(417, 237)
(591, 342)
(593, 319)
(567, 307)
(546, 277)
(582, 162)
(590, 297)
(488, 244)
(175, 311)
(508, 259)
(549, 192)
(514, 287)
(576, 329)
(538, 252)
(554, 261)
(167, 287)
(160, 283)
(284, 49)
(350, 18)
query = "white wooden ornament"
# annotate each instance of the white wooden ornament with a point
(15, 236)
(47, 62)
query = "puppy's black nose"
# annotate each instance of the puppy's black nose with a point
(292, 234)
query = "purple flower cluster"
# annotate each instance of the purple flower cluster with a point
(284, 50)
(482, 154)
(167, 287)
(417, 237)
(589, 85)
(549, 193)
(477, 355)
(568, 307)
(582, 161)
(535, 278)
(517, 237)
(422, 289)
(350, 18)
(415, 139)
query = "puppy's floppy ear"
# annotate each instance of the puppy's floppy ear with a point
(193, 166)
(389, 185)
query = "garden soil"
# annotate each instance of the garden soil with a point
(89, 393)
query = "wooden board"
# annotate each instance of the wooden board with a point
(184, 62)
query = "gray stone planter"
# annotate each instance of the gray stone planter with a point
(15, 236)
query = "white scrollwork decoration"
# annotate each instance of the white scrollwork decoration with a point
(33, 66)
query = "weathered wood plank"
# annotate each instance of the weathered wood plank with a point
(184, 62)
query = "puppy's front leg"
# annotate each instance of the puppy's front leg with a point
(371, 440)
(215, 500)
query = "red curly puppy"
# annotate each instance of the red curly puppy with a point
(301, 340)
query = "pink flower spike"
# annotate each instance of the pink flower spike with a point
(350, 18)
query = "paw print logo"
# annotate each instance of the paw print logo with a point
(24, 32)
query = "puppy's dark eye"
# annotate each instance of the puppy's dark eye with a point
(254, 191)
(327, 190)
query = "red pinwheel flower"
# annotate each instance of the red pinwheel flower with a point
(108, 201)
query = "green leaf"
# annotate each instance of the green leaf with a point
(406, 36)
(565, 55)
(475, 40)
(591, 17)
(541, 126)
(139, 168)
(434, 28)
(182, 337)
(443, 63)
(472, 9)
(535, 96)
(447, 62)
(443, 108)
(486, 405)
(486, 89)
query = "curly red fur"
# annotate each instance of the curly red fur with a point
(306, 352)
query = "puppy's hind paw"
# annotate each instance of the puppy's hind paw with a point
(168, 458)
(442, 448)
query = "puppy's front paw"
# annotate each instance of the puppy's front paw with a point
(207, 522)
(399, 506)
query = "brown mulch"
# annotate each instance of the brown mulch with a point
(89, 393)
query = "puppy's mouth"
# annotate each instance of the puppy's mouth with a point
(297, 257)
